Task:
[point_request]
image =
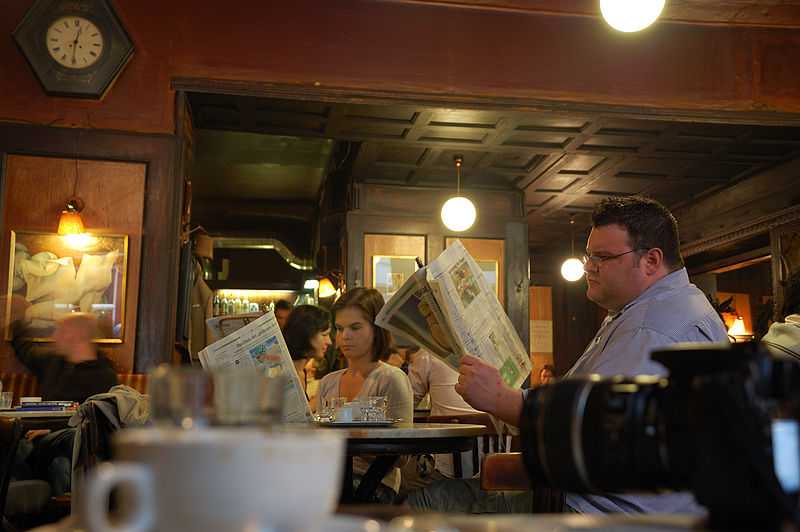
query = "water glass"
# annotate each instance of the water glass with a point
(180, 397)
(6, 398)
(376, 407)
(330, 405)
(244, 396)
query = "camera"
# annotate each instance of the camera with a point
(724, 425)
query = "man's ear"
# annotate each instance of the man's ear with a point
(652, 260)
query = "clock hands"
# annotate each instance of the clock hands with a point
(75, 43)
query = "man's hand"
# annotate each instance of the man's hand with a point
(36, 433)
(482, 387)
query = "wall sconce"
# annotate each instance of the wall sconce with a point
(630, 15)
(330, 285)
(458, 213)
(572, 268)
(70, 221)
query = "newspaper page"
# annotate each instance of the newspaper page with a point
(414, 314)
(260, 345)
(479, 325)
(221, 326)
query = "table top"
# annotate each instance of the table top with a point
(37, 413)
(405, 431)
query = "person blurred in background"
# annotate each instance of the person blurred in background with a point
(282, 310)
(308, 335)
(430, 375)
(72, 371)
(364, 346)
(547, 374)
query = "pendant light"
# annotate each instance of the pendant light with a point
(630, 15)
(70, 221)
(458, 213)
(572, 268)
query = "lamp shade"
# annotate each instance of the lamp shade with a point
(572, 269)
(326, 288)
(630, 15)
(70, 223)
(737, 329)
(458, 213)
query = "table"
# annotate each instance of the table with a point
(28, 414)
(387, 444)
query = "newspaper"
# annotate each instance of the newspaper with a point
(260, 345)
(449, 309)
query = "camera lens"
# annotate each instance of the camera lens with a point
(597, 435)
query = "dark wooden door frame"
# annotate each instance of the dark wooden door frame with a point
(155, 324)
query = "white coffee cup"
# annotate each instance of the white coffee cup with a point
(349, 413)
(217, 479)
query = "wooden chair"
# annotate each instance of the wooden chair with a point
(491, 442)
(507, 472)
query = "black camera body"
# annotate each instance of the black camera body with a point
(707, 428)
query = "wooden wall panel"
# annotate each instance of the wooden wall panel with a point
(395, 245)
(430, 49)
(155, 324)
(541, 316)
(36, 189)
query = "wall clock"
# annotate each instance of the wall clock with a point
(75, 47)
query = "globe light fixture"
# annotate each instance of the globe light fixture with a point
(572, 268)
(630, 15)
(458, 212)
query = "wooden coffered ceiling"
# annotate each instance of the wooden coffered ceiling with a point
(564, 163)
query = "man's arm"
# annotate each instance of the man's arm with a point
(25, 350)
(482, 387)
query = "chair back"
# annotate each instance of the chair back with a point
(10, 435)
(490, 442)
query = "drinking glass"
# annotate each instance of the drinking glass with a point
(6, 399)
(180, 396)
(244, 396)
(330, 406)
(376, 408)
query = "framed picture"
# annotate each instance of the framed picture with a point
(52, 276)
(389, 272)
(489, 269)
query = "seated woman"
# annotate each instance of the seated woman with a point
(783, 337)
(364, 346)
(308, 335)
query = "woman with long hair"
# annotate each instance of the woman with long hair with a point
(308, 335)
(365, 346)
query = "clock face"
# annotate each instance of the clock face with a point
(74, 42)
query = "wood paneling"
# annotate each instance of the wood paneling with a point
(393, 245)
(36, 189)
(155, 326)
(541, 317)
(422, 47)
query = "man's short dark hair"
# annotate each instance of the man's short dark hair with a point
(791, 296)
(649, 225)
(305, 322)
(282, 304)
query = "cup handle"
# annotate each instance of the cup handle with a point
(104, 478)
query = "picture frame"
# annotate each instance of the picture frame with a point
(490, 273)
(389, 272)
(50, 276)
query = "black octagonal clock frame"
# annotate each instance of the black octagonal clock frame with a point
(89, 82)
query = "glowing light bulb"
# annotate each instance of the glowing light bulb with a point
(630, 15)
(572, 269)
(458, 213)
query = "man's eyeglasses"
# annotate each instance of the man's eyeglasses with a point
(598, 259)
